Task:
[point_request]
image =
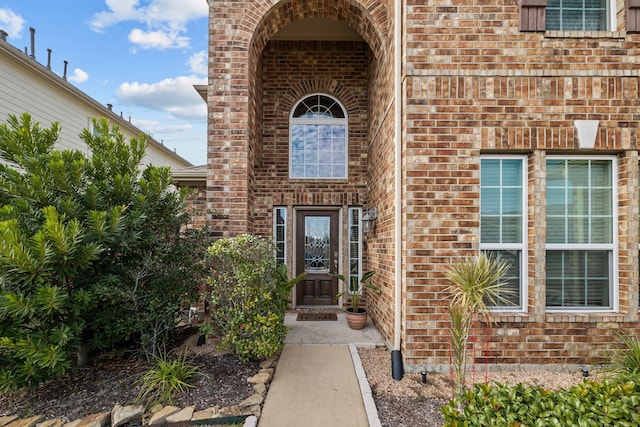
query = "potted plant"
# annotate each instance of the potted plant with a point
(205, 330)
(357, 316)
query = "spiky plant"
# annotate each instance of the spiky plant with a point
(167, 378)
(476, 286)
(626, 358)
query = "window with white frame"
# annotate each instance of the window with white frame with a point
(355, 250)
(502, 223)
(580, 248)
(280, 234)
(318, 139)
(578, 15)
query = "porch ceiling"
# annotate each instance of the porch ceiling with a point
(318, 29)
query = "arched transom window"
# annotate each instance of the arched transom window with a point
(318, 139)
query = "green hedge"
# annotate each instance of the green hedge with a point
(610, 402)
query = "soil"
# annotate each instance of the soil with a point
(114, 378)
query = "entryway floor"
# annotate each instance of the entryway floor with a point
(319, 380)
(330, 332)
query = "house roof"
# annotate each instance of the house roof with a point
(61, 83)
(191, 176)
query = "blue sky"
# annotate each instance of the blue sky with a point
(141, 56)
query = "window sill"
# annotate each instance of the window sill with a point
(585, 34)
(586, 317)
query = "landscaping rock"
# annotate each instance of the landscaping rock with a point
(268, 371)
(101, 419)
(206, 414)
(7, 419)
(161, 416)
(183, 415)
(55, 422)
(229, 411)
(73, 423)
(260, 388)
(260, 377)
(269, 363)
(27, 422)
(123, 414)
(256, 399)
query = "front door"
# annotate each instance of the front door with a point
(317, 255)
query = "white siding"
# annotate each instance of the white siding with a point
(27, 86)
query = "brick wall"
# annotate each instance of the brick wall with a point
(339, 69)
(472, 84)
(475, 85)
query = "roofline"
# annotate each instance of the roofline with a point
(63, 84)
(193, 174)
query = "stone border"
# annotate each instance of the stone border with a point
(367, 396)
(159, 415)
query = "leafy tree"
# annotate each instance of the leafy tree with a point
(93, 252)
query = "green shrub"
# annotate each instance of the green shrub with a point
(92, 250)
(248, 295)
(167, 379)
(611, 402)
(626, 358)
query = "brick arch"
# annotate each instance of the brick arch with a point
(264, 19)
(327, 86)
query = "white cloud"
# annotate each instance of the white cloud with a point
(11, 23)
(79, 76)
(159, 39)
(165, 20)
(175, 96)
(152, 11)
(155, 127)
(198, 63)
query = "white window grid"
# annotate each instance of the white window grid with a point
(521, 246)
(320, 121)
(611, 247)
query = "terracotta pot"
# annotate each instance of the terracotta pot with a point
(356, 320)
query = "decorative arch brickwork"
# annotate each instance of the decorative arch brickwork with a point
(239, 33)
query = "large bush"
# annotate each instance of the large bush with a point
(91, 250)
(248, 296)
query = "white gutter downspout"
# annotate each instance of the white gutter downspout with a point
(396, 355)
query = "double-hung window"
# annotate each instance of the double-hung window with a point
(502, 223)
(577, 15)
(581, 219)
(318, 139)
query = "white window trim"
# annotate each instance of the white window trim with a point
(314, 121)
(614, 296)
(359, 210)
(522, 247)
(275, 229)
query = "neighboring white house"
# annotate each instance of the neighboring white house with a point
(28, 86)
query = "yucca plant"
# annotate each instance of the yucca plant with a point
(626, 358)
(476, 286)
(166, 379)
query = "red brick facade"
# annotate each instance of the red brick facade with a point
(473, 84)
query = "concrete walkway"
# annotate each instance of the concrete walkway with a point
(319, 380)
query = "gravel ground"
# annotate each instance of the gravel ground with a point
(408, 402)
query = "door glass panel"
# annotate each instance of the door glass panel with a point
(316, 246)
